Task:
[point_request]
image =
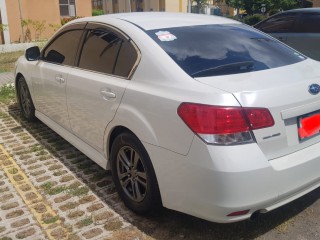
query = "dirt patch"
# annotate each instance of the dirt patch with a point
(60, 172)
(127, 234)
(6, 197)
(20, 223)
(102, 217)
(14, 214)
(25, 187)
(61, 198)
(87, 199)
(2, 229)
(26, 233)
(95, 207)
(69, 206)
(9, 206)
(42, 179)
(59, 233)
(84, 222)
(92, 233)
(40, 208)
(75, 214)
(113, 225)
(66, 178)
(31, 196)
(37, 173)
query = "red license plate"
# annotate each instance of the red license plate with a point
(309, 125)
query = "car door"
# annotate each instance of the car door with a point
(306, 35)
(279, 26)
(50, 77)
(96, 87)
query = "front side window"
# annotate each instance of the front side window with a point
(309, 23)
(282, 23)
(213, 50)
(106, 52)
(64, 48)
(67, 8)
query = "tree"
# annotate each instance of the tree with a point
(254, 6)
(200, 3)
(236, 4)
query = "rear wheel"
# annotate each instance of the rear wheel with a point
(25, 101)
(133, 175)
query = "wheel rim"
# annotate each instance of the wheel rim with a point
(131, 174)
(25, 99)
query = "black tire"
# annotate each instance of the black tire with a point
(25, 100)
(134, 176)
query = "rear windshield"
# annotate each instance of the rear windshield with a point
(213, 50)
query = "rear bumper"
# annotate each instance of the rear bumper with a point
(214, 181)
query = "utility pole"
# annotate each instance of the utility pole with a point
(21, 18)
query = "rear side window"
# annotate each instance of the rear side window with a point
(100, 51)
(309, 23)
(64, 48)
(106, 52)
(282, 23)
(213, 50)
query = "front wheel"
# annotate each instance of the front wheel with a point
(25, 100)
(133, 175)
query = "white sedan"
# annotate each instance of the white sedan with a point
(199, 114)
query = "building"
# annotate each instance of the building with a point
(40, 18)
(119, 6)
(316, 3)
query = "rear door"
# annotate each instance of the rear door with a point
(96, 87)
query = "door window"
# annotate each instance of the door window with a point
(64, 48)
(309, 23)
(282, 23)
(106, 52)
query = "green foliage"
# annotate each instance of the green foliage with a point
(3, 27)
(254, 6)
(97, 12)
(253, 19)
(200, 3)
(7, 93)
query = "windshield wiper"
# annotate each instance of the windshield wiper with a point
(230, 68)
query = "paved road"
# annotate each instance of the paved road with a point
(6, 78)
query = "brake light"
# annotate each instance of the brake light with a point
(224, 125)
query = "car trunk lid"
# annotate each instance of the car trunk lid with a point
(285, 92)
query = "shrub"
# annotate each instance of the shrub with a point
(97, 12)
(251, 20)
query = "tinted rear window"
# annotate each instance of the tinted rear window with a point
(213, 50)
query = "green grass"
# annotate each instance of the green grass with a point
(7, 93)
(7, 60)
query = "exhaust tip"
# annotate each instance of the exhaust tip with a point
(255, 215)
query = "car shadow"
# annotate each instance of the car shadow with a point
(169, 224)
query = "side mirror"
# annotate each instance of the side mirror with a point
(33, 53)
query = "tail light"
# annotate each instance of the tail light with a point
(224, 125)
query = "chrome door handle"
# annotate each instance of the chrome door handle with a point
(106, 95)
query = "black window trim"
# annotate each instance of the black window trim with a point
(94, 25)
(294, 24)
(85, 27)
(73, 27)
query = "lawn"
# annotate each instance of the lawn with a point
(7, 61)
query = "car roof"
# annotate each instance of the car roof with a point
(306, 10)
(160, 20)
